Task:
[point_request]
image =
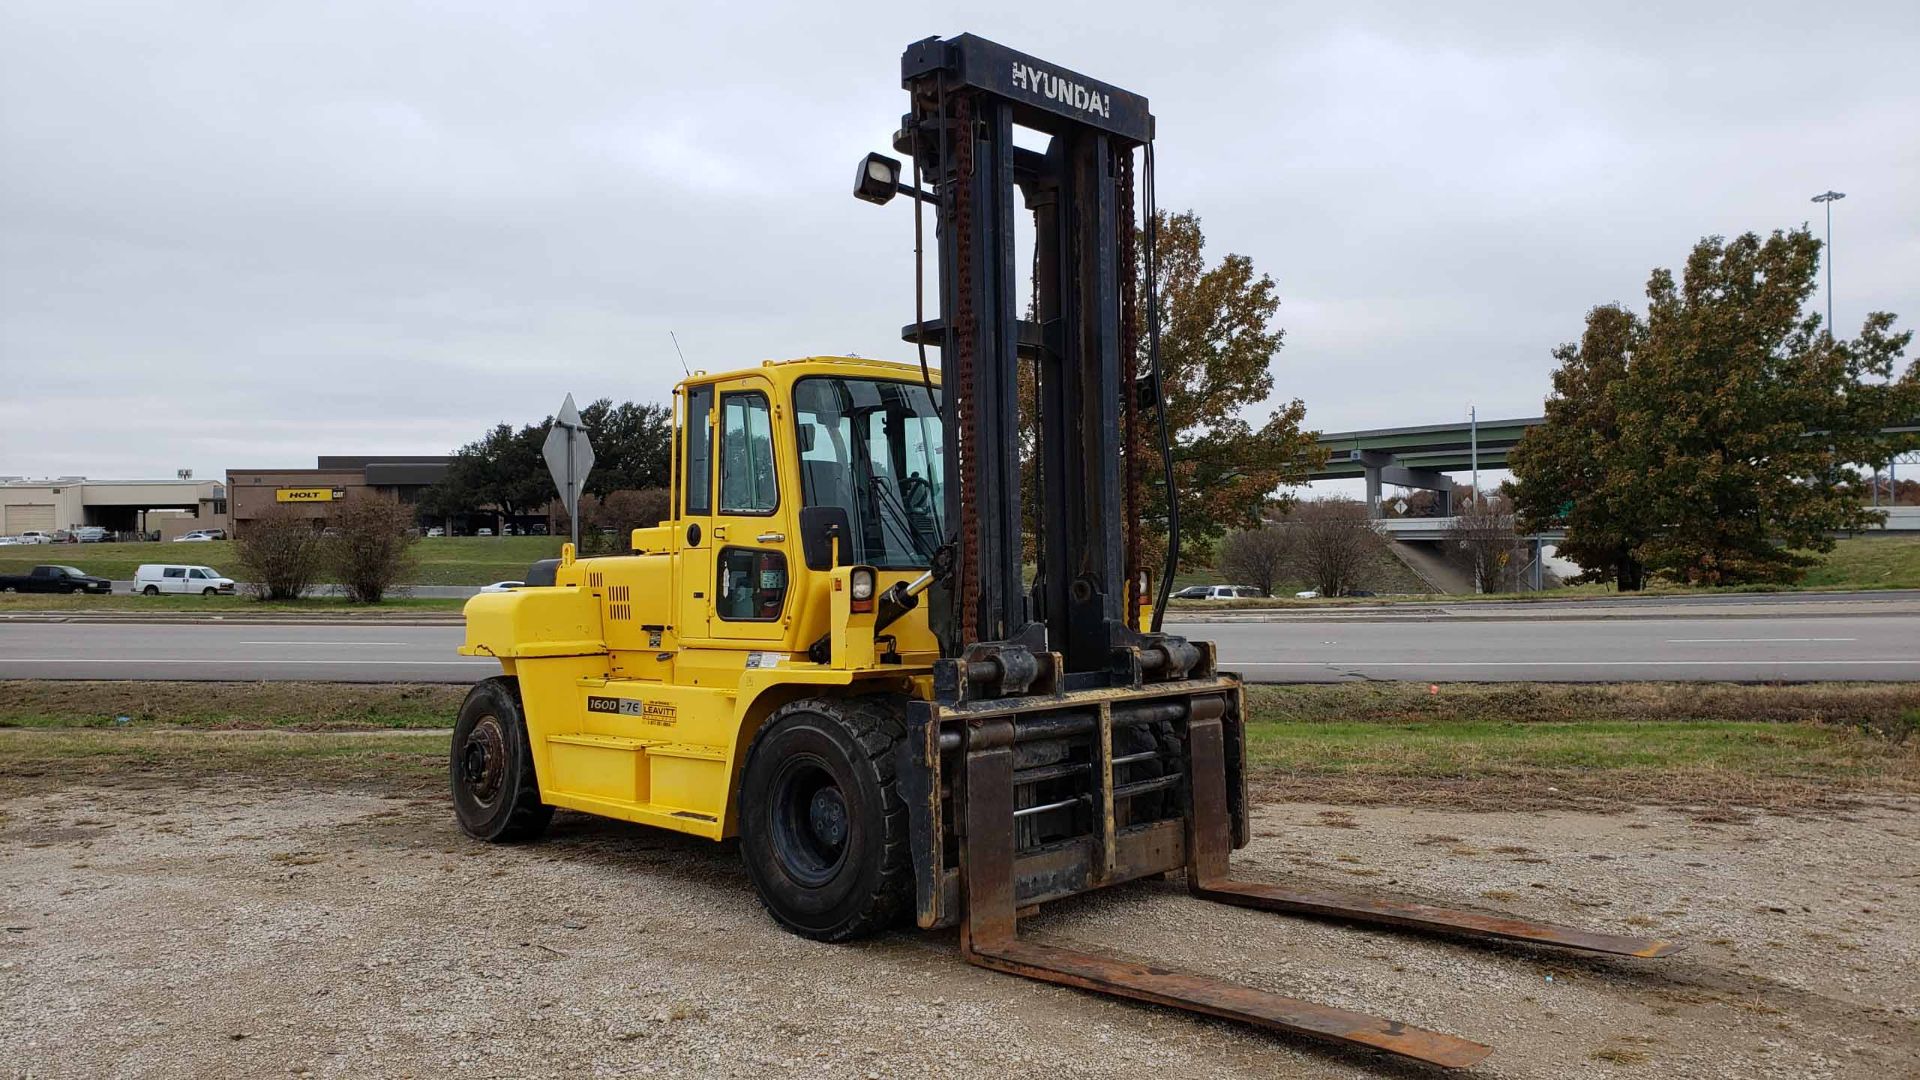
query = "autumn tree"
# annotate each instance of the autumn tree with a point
(1714, 440)
(1232, 452)
(1575, 471)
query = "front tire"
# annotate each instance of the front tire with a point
(495, 794)
(823, 830)
(206, 592)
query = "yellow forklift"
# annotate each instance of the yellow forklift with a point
(830, 651)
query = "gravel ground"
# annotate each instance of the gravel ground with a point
(232, 930)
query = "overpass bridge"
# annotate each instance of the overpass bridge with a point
(1422, 456)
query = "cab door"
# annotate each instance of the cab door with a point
(694, 499)
(751, 569)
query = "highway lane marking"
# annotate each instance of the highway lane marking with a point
(1749, 640)
(1557, 663)
(338, 642)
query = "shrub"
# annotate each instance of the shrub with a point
(373, 552)
(280, 553)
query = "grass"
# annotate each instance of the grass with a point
(458, 560)
(1470, 746)
(1869, 562)
(1527, 745)
(119, 603)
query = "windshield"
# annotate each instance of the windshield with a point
(872, 448)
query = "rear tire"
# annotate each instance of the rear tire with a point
(151, 590)
(495, 794)
(823, 830)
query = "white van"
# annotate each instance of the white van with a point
(152, 579)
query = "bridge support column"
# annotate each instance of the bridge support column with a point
(1381, 469)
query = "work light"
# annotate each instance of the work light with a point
(861, 588)
(878, 179)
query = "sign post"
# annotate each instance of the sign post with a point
(569, 458)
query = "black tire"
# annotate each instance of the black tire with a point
(152, 590)
(495, 794)
(66, 590)
(207, 592)
(823, 830)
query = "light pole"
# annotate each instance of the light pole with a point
(1473, 429)
(1829, 198)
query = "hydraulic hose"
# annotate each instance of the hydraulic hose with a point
(1159, 394)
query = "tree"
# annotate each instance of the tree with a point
(632, 445)
(608, 524)
(1713, 440)
(1482, 538)
(502, 469)
(374, 549)
(280, 552)
(1256, 557)
(1335, 543)
(1217, 349)
(1575, 471)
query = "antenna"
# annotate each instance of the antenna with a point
(683, 356)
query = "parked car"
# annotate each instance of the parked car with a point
(63, 536)
(9, 541)
(436, 531)
(1307, 594)
(1217, 592)
(152, 579)
(55, 579)
(484, 532)
(34, 536)
(91, 534)
(200, 536)
(503, 586)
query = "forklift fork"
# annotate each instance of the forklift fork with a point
(989, 933)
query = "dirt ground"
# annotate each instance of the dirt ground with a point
(232, 929)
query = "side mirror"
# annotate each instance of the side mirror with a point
(818, 526)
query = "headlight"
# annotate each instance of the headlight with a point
(860, 588)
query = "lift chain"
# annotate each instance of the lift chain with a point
(1134, 494)
(964, 413)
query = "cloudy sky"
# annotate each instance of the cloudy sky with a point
(239, 235)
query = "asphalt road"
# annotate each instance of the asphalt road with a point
(1784, 646)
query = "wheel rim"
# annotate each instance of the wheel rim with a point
(809, 822)
(483, 761)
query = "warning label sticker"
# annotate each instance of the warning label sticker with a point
(765, 659)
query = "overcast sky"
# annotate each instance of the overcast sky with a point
(240, 235)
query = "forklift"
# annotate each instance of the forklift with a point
(830, 650)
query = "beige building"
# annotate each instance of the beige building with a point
(170, 507)
(318, 491)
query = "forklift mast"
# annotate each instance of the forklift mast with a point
(1081, 349)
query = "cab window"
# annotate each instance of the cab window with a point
(753, 585)
(699, 455)
(746, 455)
(200, 575)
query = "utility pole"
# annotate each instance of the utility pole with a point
(1473, 434)
(1829, 198)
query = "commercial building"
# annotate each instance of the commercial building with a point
(334, 479)
(126, 507)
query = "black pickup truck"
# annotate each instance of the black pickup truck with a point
(55, 579)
